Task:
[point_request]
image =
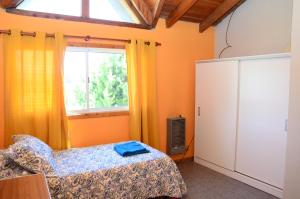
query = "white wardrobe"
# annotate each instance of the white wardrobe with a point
(241, 118)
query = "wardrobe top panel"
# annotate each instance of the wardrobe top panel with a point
(267, 56)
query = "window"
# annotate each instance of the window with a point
(64, 7)
(95, 80)
(112, 10)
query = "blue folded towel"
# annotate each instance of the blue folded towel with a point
(130, 148)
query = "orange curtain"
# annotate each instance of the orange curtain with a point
(33, 88)
(142, 89)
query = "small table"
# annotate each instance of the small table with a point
(25, 187)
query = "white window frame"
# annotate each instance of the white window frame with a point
(94, 110)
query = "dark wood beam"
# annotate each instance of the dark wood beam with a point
(180, 10)
(157, 11)
(85, 8)
(142, 10)
(10, 3)
(220, 12)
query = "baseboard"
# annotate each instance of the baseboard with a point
(240, 177)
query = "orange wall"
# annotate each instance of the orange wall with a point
(181, 46)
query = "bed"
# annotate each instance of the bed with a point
(99, 172)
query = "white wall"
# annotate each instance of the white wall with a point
(257, 27)
(292, 183)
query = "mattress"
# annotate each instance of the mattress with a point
(100, 172)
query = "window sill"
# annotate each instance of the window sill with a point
(98, 114)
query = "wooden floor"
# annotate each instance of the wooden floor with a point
(204, 183)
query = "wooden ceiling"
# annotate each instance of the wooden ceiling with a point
(204, 12)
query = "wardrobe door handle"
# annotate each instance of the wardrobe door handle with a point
(286, 125)
(198, 110)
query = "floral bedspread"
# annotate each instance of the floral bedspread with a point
(9, 169)
(99, 172)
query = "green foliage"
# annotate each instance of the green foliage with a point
(80, 96)
(107, 84)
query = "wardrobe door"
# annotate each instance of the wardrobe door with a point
(216, 112)
(263, 113)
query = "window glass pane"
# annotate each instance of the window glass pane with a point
(75, 80)
(65, 7)
(114, 10)
(106, 87)
(108, 80)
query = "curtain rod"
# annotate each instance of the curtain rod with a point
(86, 38)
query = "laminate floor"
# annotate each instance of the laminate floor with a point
(204, 183)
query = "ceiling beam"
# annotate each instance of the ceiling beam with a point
(180, 10)
(220, 12)
(10, 3)
(143, 11)
(157, 11)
